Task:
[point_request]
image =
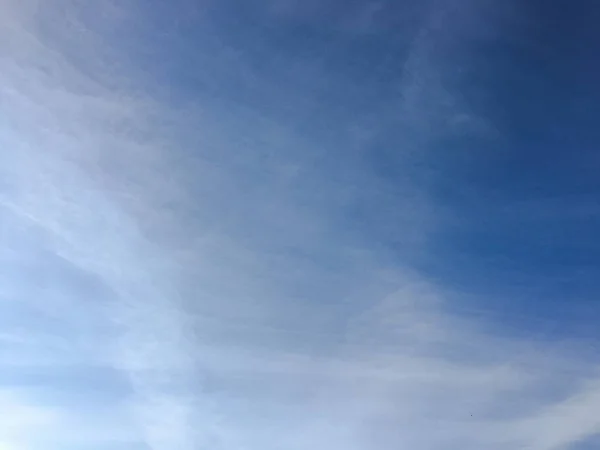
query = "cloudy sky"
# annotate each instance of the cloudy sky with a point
(299, 224)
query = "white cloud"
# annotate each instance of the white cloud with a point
(567, 422)
(19, 417)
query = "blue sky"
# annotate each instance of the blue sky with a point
(285, 224)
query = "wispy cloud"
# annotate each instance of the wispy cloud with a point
(211, 271)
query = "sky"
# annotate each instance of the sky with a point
(299, 224)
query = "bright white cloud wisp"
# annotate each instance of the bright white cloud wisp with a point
(177, 275)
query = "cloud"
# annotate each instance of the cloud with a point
(211, 255)
(567, 422)
(20, 417)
